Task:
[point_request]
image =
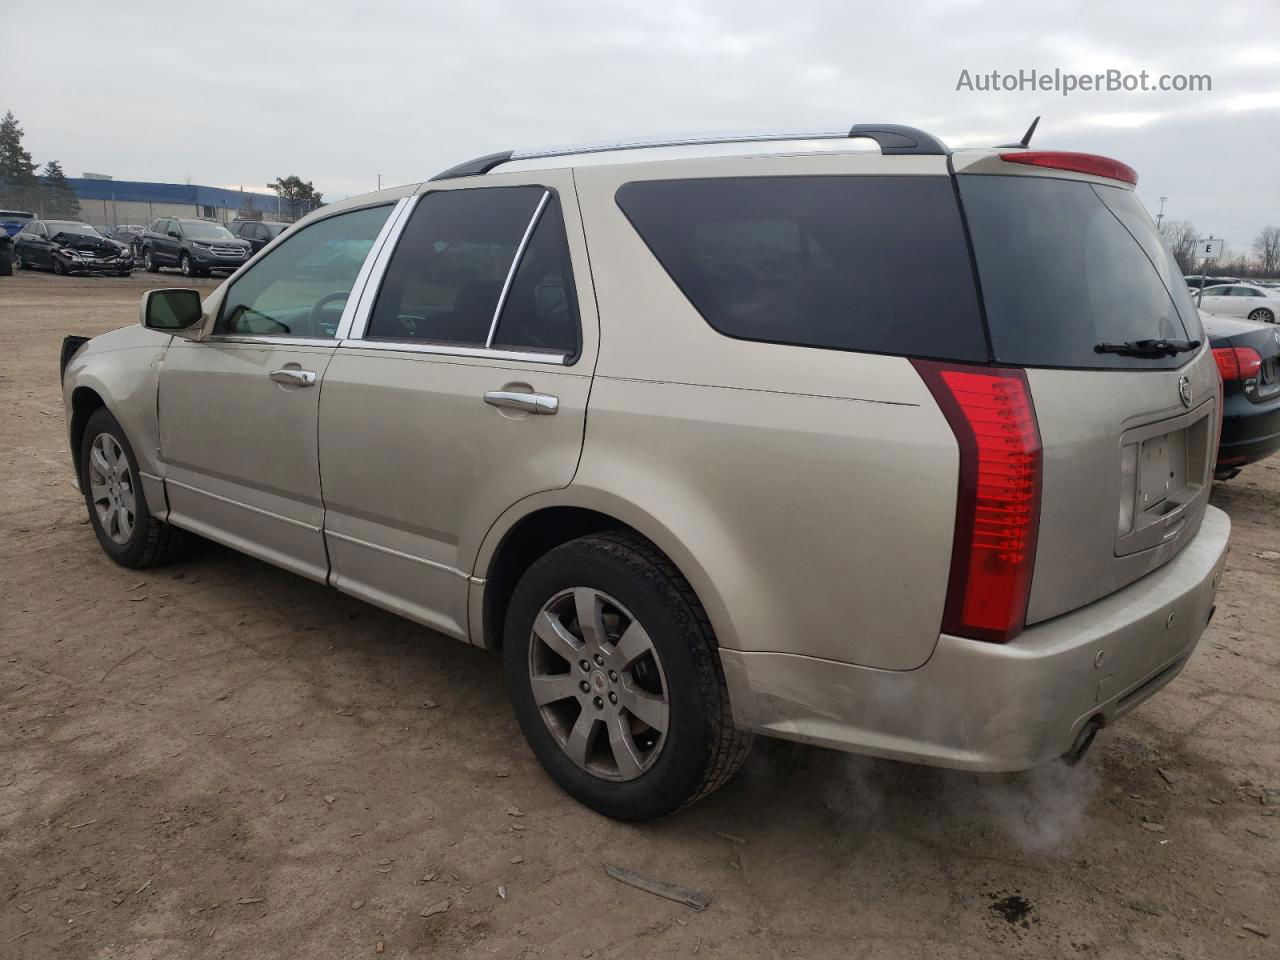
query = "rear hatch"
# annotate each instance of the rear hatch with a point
(1068, 263)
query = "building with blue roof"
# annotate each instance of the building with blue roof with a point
(112, 202)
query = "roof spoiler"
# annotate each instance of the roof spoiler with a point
(892, 138)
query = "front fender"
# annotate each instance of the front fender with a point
(123, 369)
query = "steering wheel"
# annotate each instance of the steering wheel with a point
(313, 320)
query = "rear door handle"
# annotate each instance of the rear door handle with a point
(539, 403)
(294, 378)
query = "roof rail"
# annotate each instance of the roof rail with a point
(893, 139)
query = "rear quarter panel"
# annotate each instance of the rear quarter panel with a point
(808, 495)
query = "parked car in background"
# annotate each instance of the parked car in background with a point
(128, 233)
(1194, 282)
(258, 232)
(1248, 356)
(196, 247)
(69, 246)
(11, 221)
(1242, 300)
(713, 482)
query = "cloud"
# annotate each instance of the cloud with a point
(339, 92)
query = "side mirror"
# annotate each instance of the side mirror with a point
(172, 311)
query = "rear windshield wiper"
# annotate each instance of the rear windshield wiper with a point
(1149, 348)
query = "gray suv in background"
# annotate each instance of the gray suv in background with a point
(196, 247)
(257, 232)
(905, 452)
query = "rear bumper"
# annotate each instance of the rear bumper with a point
(996, 707)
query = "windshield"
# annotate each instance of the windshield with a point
(204, 230)
(1066, 265)
(70, 227)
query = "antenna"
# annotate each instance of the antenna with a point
(1026, 137)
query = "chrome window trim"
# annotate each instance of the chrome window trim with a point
(515, 265)
(451, 350)
(268, 339)
(362, 277)
(378, 268)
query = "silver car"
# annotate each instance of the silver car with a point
(903, 452)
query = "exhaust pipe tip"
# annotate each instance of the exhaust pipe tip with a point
(1084, 740)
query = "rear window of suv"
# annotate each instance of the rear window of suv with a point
(1066, 265)
(867, 263)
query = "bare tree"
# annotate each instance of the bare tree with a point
(1267, 248)
(1181, 236)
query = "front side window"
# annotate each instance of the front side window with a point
(1215, 291)
(300, 288)
(445, 282)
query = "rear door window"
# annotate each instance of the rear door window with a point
(455, 270)
(867, 263)
(1066, 265)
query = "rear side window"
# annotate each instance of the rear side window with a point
(1066, 265)
(874, 264)
(446, 275)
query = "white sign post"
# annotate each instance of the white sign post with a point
(1206, 249)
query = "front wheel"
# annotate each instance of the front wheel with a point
(616, 681)
(59, 267)
(1263, 315)
(112, 489)
(148, 262)
(188, 269)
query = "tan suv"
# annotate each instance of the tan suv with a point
(849, 439)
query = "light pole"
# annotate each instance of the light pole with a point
(1160, 215)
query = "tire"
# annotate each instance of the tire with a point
(148, 263)
(134, 538)
(184, 264)
(677, 681)
(59, 267)
(1263, 315)
(8, 263)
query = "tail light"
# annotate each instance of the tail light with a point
(1075, 162)
(991, 414)
(1237, 363)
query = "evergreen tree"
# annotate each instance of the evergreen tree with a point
(17, 171)
(59, 199)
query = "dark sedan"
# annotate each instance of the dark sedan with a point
(1248, 355)
(69, 246)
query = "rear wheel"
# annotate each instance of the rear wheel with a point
(616, 681)
(112, 489)
(1263, 315)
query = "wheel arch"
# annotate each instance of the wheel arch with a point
(538, 524)
(85, 400)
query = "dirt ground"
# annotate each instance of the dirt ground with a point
(219, 759)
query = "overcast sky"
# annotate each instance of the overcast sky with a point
(240, 93)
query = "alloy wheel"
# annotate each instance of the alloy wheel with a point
(111, 488)
(186, 266)
(1265, 316)
(598, 683)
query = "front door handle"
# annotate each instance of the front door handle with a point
(294, 378)
(540, 403)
